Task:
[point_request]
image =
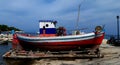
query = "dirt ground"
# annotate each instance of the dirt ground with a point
(111, 57)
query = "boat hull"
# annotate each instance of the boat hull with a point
(60, 45)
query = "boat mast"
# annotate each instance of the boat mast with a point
(77, 27)
(78, 17)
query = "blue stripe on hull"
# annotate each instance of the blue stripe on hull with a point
(48, 31)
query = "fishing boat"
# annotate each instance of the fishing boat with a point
(51, 38)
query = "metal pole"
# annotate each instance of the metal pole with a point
(118, 27)
(77, 25)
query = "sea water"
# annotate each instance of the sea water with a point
(3, 49)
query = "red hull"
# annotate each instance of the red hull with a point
(57, 46)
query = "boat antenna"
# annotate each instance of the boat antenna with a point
(78, 17)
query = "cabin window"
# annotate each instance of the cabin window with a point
(47, 25)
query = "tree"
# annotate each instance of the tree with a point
(6, 28)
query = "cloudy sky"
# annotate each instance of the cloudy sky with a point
(25, 14)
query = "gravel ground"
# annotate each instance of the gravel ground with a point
(111, 57)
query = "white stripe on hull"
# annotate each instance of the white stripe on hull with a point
(58, 39)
